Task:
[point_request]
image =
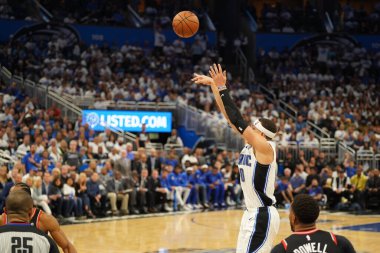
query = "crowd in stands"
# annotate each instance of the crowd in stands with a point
(335, 88)
(280, 18)
(112, 13)
(343, 187)
(360, 20)
(75, 172)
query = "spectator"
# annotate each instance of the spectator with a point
(312, 175)
(16, 178)
(156, 194)
(97, 201)
(174, 139)
(123, 165)
(358, 182)
(3, 177)
(56, 199)
(39, 198)
(154, 161)
(181, 193)
(141, 164)
(81, 191)
(215, 185)
(372, 189)
(143, 138)
(72, 157)
(31, 159)
(351, 169)
(69, 194)
(117, 189)
(340, 186)
(141, 184)
(315, 190)
(297, 182)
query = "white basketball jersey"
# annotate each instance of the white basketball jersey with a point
(257, 180)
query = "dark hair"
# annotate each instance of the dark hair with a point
(18, 202)
(305, 208)
(268, 124)
(23, 187)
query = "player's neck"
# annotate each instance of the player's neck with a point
(304, 228)
(18, 219)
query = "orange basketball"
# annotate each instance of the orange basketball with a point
(185, 24)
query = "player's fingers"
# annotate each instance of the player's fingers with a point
(225, 74)
(216, 68)
(220, 68)
(212, 71)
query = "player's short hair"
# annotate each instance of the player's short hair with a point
(23, 187)
(305, 208)
(268, 124)
(18, 202)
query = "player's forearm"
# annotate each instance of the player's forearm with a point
(220, 104)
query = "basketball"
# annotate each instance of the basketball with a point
(185, 24)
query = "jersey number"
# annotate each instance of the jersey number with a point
(20, 245)
(242, 175)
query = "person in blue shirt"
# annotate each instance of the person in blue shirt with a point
(97, 201)
(188, 180)
(284, 191)
(181, 193)
(351, 169)
(31, 159)
(297, 182)
(315, 190)
(214, 180)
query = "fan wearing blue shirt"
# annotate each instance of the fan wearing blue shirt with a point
(176, 182)
(214, 180)
(31, 159)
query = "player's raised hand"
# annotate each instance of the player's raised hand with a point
(218, 75)
(202, 79)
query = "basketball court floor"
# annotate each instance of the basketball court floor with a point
(203, 232)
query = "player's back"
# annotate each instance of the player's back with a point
(314, 241)
(257, 180)
(25, 238)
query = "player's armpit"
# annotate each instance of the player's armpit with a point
(51, 225)
(344, 244)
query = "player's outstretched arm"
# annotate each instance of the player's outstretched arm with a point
(51, 225)
(232, 113)
(206, 80)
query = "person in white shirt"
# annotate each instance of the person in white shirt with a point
(302, 136)
(340, 133)
(40, 199)
(24, 147)
(174, 138)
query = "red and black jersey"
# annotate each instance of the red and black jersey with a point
(314, 241)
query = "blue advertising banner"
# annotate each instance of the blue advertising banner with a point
(99, 35)
(131, 121)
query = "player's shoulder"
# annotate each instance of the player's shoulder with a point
(344, 244)
(279, 248)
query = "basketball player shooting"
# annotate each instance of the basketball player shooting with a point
(257, 165)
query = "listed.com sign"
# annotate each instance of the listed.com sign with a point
(131, 121)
